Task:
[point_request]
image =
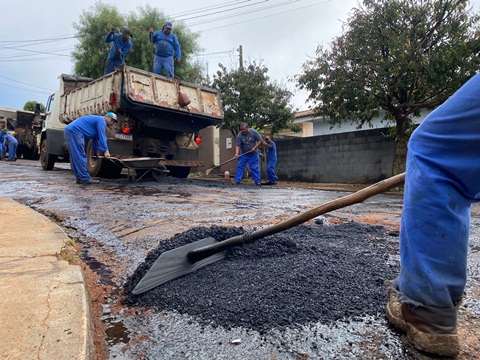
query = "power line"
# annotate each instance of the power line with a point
(222, 11)
(32, 51)
(266, 16)
(20, 82)
(208, 8)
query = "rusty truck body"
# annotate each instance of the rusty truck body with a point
(26, 127)
(157, 117)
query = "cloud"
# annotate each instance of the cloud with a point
(281, 33)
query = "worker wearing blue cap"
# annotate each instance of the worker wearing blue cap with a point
(78, 133)
(167, 45)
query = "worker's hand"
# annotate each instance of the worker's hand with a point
(112, 30)
(179, 60)
(236, 156)
(107, 154)
(151, 30)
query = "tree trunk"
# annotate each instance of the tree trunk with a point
(400, 156)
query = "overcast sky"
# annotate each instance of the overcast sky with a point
(281, 33)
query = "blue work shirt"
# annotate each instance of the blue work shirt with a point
(248, 141)
(91, 127)
(10, 139)
(272, 152)
(124, 47)
(166, 45)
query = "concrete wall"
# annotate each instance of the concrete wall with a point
(350, 158)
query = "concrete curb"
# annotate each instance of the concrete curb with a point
(44, 305)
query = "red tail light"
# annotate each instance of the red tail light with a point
(126, 129)
(198, 139)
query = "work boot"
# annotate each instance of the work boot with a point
(88, 182)
(439, 338)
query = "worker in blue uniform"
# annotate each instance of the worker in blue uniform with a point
(442, 181)
(167, 45)
(247, 142)
(271, 160)
(3, 149)
(12, 144)
(120, 47)
(77, 134)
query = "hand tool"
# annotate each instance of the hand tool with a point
(191, 257)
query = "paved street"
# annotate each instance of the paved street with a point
(118, 223)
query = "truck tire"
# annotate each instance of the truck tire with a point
(47, 160)
(100, 167)
(181, 172)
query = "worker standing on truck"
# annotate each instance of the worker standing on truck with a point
(77, 135)
(120, 47)
(166, 46)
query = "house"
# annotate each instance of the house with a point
(313, 125)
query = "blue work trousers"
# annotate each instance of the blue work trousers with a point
(164, 63)
(253, 163)
(442, 181)
(12, 150)
(3, 151)
(110, 66)
(78, 158)
(271, 176)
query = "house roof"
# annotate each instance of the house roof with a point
(303, 113)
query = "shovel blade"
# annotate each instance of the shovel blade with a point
(174, 263)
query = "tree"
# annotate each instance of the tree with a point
(398, 56)
(91, 52)
(30, 106)
(249, 96)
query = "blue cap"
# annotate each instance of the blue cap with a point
(113, 116)
(168, 25)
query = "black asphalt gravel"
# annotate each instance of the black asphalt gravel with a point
(318, 273)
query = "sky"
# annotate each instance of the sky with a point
(37, 38)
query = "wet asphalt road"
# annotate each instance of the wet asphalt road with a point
(120, 222)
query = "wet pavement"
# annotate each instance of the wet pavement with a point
(119, 223)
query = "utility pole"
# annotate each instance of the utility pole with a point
(240, 51)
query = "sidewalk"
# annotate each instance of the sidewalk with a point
(44, 307)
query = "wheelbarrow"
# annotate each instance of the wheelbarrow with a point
(142, 166)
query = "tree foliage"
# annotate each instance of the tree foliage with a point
(249, 96)
(398, 56)
(92, 50)
(30, 106)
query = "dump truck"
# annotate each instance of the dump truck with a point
(26, 127)
(157, 118)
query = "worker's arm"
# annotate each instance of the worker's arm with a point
(237, 151)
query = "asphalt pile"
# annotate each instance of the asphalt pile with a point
(320, 273)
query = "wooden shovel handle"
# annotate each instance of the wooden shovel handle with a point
(357, 197)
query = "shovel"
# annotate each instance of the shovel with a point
(191, 257)
(208, 171)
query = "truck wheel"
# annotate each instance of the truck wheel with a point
(100, 167)
(47, 160)
(181, 172)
